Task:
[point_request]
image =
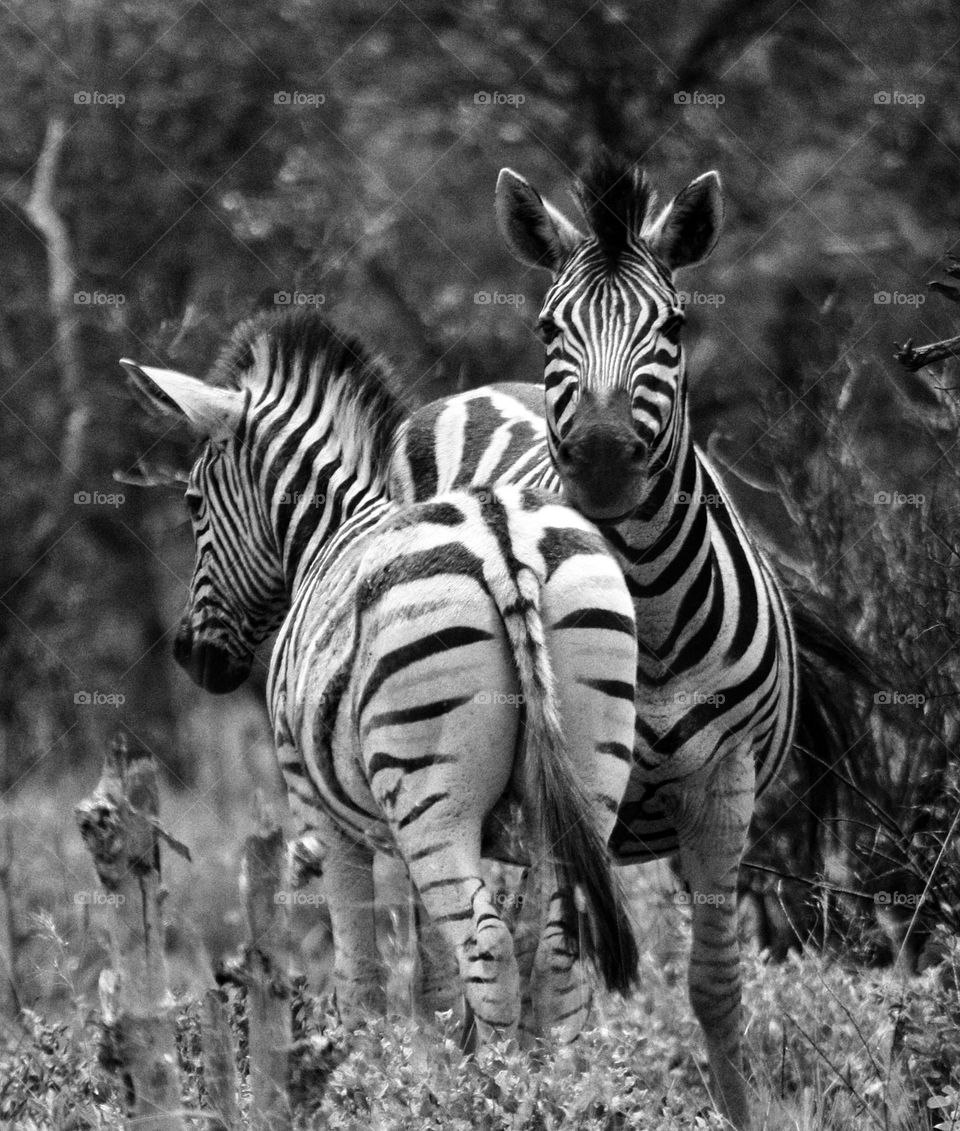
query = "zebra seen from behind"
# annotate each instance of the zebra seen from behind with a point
(408, 637)
(717, 668)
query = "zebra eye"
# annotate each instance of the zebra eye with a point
(194, 502)
(547, 330)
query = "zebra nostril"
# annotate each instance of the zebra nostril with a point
(564, 453)
(639, 452)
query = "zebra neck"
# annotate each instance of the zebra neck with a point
(318, 479)
(322, 551)
(668, 559)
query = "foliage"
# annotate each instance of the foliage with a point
(830, 1048)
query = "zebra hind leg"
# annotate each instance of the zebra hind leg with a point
(349, 890)
(463, 910)
(560, 991)
(437, 985)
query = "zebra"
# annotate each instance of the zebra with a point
(717, 669)
(408, 635)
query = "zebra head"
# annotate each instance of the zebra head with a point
(611, 322)
(237, 594)
(298, 423)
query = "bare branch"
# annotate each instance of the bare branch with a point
(916, 357)
(148, 475)
(945, 290)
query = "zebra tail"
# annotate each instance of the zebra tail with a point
(832, 669)
(557, 807)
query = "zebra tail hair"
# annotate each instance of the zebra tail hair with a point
(834, 673)
(557, 807)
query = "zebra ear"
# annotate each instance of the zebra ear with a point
(210, 411)
(536, 232)
(686, 231)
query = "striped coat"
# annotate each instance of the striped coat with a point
(449, 678)
(717, 663)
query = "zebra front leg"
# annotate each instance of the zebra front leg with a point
(349, 890)
(712, 822)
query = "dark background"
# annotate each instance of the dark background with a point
(214, 156)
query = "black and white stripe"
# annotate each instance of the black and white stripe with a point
(447, 675)
(716, 676)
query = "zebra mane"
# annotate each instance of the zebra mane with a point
(272, 350)
(616, 199)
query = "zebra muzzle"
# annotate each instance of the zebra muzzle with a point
(208, 663)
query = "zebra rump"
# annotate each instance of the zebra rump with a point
(556, 807)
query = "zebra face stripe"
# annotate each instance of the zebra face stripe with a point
(237, 593)
(613, 376)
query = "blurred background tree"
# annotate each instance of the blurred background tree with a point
(216, 160)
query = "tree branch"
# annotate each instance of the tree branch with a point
(916, 357)
(62, 273)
